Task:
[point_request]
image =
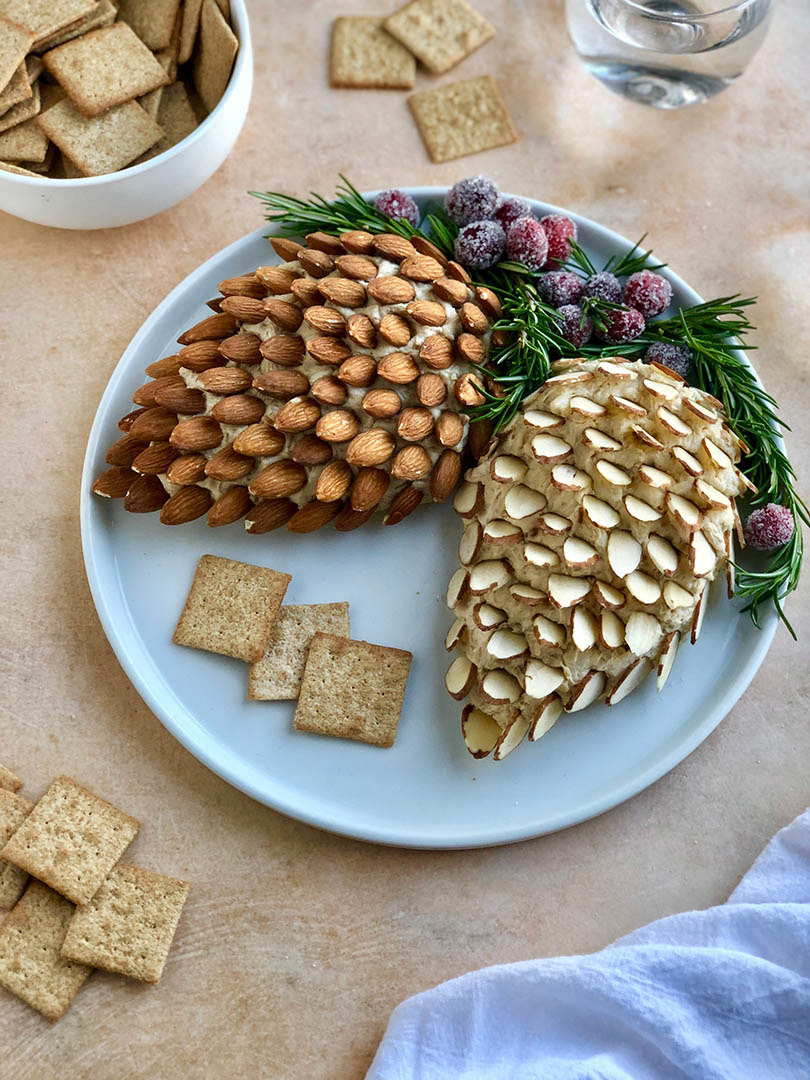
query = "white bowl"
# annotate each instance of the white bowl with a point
(119, 198)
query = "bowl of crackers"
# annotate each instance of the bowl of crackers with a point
(110, 113)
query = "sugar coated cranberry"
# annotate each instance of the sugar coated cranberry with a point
(622, 324)
(648, 293)
(560, 231)
(769, 527)
(560, 287)
(527, 243)
(603, 286)
(509, 210)
(473, 199)
(480, 244)
(574, 326)
(396, 204)
(676, 357)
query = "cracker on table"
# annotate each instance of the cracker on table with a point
(14, 809)
(103, 14)
(352, 690)
(176, 116)
(216, 49)
(277, 676)
(129, 924)
(101, 144)
(8, 780)
(105, 68)
(152, 20)
(45, 17)
(440, 33)
(17, 89)
(15, 41)
(23, 142)
(462, 118)
(24, 110)
(231, 608)
(364, 55)
(31, 963)
(71, 839)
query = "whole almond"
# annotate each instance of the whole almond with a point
(357, 267)
(395, 329)
(145, 495)
(452, 291)
(228, 465)
(357, 241)
(286, 350)
(299, 414)
(225, 380)
(230, 506)
(278, 480)
(182, 399)
(169, 365)
(329, 390)
(187, 469)
(421, 268)
(393, 247)
(239, 409)
(414, 424)
(244, 308)
(259, 440)
(215, 326)
(382, 404)
(198, 433)
(242, 348)
(358, 370)
(449, 429)
(282, 313)
(399, 368)
(371, 447)
(473, 319)
(126, 422)
(310, 450)
(427, 247)
(471, 348)
(306, 292)
(343, 291)
(316, 263)
(339, 425)
(468, 390)
(391, 290)
(446, 474)
(243, 285)
(313, 516)
(114, 483)
(285, 248)
(155, 459)
(185, 505)
(201, 356)
(410, 463)
(321, 241)
(368, 488)
(457, 271)
(269, 514)
(145, 395)
(215, 304)
(436, 352)
(334, 481)
(124, 451)
(427, 312)
(328, 350)
(480, 438)
(430, 390)
(325, 320)
(489, 301)
(276, 279)
(282, 385)
(153, 425)
(404, 503)
(349, 519)
(499, 338)
(360, 330)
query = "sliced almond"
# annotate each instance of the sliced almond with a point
(500, 533)
(584, 629)
(701, 410)
(548, 449)
(623, 553)
(702, 557)
(587, 691)
(548, 632)
(488, 575)
(498, 687)
(555, 524)
(511, 737)
(607, 595)
(719, 458)
(457, 587)
(470, 543)
(731, 576)
(612, 474)
(578, 553)
(611, 630)
(479, 731)
(487, 617)
(469, 499)
(568, 478)
(713, 497)
(598, 513)
(666, 658)
(600, 440)
(676, 596)
(642, 633)
(542, 679)
(546, 715)
(627, 405)
(455, 635)
(640, 510)
(539, 555)
(586, 406)
(687, 515)
(616, 371)
(656, 478)
(526, 594)
(536, 418)
(662, 555)
(700, 613)
(569, 377)
(565, 592)
(643, 588)
(460, 677)
(646, 437)
(507, 645)
(507, 469)
(630, 680)
(689, 461)
(522, 502)
(673, 423)
(660, 389)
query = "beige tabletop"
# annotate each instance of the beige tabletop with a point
(295, 945)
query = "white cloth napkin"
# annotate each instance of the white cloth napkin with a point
(722, 994)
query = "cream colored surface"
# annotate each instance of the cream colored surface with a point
(295, 945)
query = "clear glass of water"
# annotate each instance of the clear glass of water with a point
(667, 53)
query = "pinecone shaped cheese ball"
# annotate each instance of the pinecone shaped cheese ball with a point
(593, 528)
(325, 389)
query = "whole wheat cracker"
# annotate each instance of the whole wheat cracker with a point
(42, 168)
(277, 676)
(352, 690)
(9, 780)
(17, 89)
(13, 811)
(189, 26)
(150, 103)
(23, 142)
(101, 144)
(71, 839)
(231, 608)
(105, 68)
(176, 116)
(45, 17)
(129, 925)
(8, 166)
(363, 54)
(24, 110)
(462, 118)
(102, 15)
(31, 964)
(440, 33)
(214, 55)
(152, 20)
(15, 41)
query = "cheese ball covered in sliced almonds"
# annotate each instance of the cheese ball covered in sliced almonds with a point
(325, 389)
(592, 530)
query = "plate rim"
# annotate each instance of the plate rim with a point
(386, 836)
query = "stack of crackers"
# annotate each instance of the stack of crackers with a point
(454, 119)
(89, 87)
(74, 906)
(349, 689)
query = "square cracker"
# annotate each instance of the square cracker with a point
(7, 166)
(103, 15)
(217, 46)
(364, 55)
(14, 809)
(24, 110)
(190, 23)
(176, 116)
(277, 676)
(17, 89)
(440, 33)
(231, 608)
(45, 17)
(129, 924)
(71, 840)
(23, 142)
(105, 68)
(8, 780)
(352, 690)
(104, 143)
(152, 20)
(462, 118)
(15, 41)
(31, 962)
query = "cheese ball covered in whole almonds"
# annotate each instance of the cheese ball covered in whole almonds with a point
(593, 527)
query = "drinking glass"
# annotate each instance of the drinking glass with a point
(667, 53)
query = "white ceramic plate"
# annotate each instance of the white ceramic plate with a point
(426, 791)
